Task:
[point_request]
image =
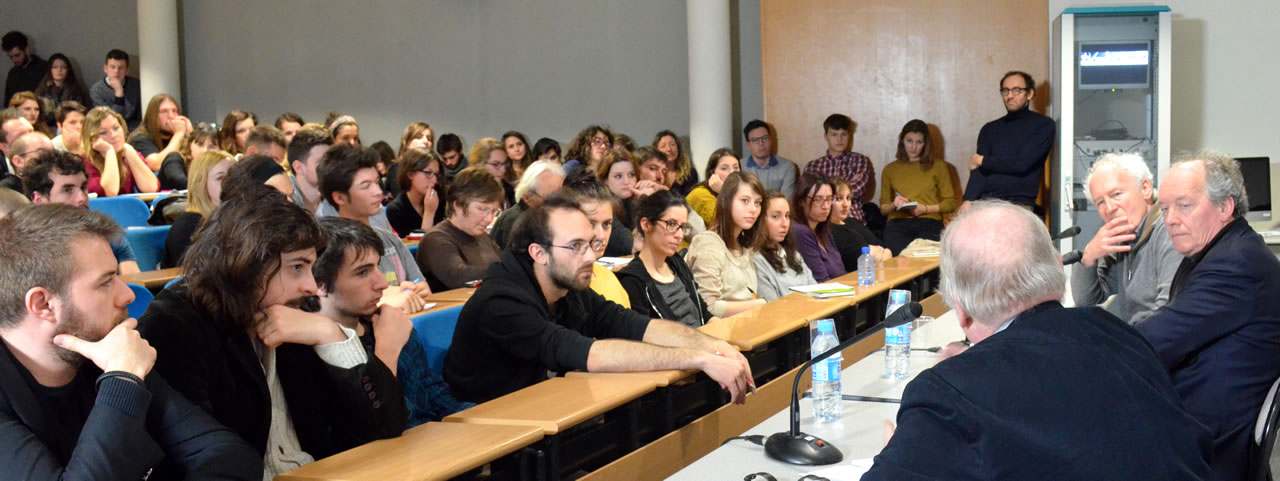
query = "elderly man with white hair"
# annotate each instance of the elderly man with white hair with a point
(539, 181)
(1219, 336)
(1131, 256)
(1046, 392)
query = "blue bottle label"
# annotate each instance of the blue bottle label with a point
(898, 335)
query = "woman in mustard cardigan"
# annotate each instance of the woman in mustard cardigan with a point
(915, 177)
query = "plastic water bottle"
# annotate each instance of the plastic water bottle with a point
(866, 268)
(897, 340)
(826, 374)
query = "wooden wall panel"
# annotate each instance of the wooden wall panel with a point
(884, 62)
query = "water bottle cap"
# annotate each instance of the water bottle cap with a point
(866, 249)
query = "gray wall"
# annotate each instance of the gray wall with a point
(82, 30)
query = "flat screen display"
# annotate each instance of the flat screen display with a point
(1115, 65)
(1257, 185)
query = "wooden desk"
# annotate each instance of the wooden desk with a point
(461, 294)
(153, 279)
(757, 327)
(411, 242)
(658, 378)
(432, 451)
(440, 306)
(557, 403)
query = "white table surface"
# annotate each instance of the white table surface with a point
(859, 434)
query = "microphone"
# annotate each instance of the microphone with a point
(1070, 232)
(799, 448)
(1071, 257)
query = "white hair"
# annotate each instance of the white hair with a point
(1132, 164)
(997, 260)
(531, 173)
(1222, 178)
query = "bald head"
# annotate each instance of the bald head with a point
(997, 261)
(26, 148)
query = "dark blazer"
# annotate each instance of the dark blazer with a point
(1219, 337)
(333, 409)
(643, 290)
(130, 430)
(1060, 394)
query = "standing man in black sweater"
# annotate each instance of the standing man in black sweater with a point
(1012, 149)
(28, 70)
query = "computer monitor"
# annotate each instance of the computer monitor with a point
(1257, 184)
(1114, 65)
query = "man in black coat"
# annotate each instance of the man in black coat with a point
(61, 303)
(1219, 336)
(232, 339)
(1011, 153)
(1045, 392)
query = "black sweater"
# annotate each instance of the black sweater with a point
(1014, 148)
(507, 337)
(643, 290)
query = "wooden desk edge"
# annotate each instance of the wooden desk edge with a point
(631, 392)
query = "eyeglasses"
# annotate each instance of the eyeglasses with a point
(485, 210)
(582, 247)
(601, 142)
(1015, 91)
(821, 199)
(759, 140)
(431, 174)
(34, 152)
(671, 227)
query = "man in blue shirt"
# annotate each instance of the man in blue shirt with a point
(57, 177)
(775, 172)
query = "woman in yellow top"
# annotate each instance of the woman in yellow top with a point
(703, 196)
(915, 190)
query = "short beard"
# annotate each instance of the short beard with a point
(73, 322)
(566, 280)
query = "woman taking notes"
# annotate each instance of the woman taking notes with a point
(914, 178)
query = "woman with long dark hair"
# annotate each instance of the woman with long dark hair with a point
(722, 256)
(61, 84)
(658, 282)
(779, 266)
(813, 198)
(915, 177)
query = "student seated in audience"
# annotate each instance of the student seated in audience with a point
(458, 250)
(588, 149)
(681, 176)
(779, 266)
(289, 123)
(70, 118)
(386, 160)
(849, 234)
(654, 166)
(915, 176)
(32, 110)
(204, 194)
(856, 169)
(450, 149)
(417, 135)
(112, 417)
(11, 201)
(118, 90)
(623, 143)
(517, 149)
(1029, 400)
(419, 205)
(1219, 335)
(24, 150)
(722, 258)
(161, 134)
(235, 131)
(61, 84)
(343, 128)
(230, 337)
(597, 202)
(254, 170)
(702, 198)
(539, 181)
(27, 68)
(534, 313)
(813, 198)
(349, 180)
(618, 173)
(12, 126)
(326, 208)
(305, 151)
(57, 177)
(548, 149)
(658, 282)
(174, 171)
(488, 154)
(268, 141)
(351, 292)
(114, 167)
(774, 171)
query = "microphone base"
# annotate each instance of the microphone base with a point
(801, 449)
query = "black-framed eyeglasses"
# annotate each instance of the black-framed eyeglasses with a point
(581, 247)
(598, 142)
(431, 174)
(821, 199)
(671, 227)
(1015, 91)
(759, 140)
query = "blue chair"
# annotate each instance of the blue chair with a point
(174, 281)
(435, 330)
(148, 245)
(413, 249)
(141, 298)
(127, 211)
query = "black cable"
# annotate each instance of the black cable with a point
(757, 439)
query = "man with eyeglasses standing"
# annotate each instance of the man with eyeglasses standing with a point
(534, 313)
(1010, 160)
(774, 172)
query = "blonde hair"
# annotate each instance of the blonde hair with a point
(89, 134)
(482, 148)
(198, 200)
